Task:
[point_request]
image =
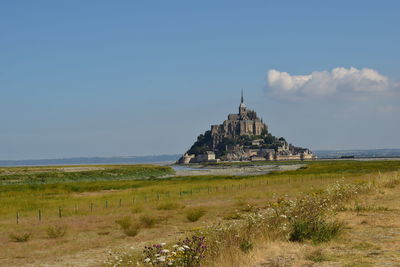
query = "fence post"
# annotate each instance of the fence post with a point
(40, 215)
(59, 212)
(76, 208)
(120, 202)
(91, 207)
(106, 203)
(17, 217)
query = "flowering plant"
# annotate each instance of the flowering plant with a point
(186, 253)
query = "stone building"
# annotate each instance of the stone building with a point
(243, 136)
(245, 122)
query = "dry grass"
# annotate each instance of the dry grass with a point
(91, 234)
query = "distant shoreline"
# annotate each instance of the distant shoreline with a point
(169, 159)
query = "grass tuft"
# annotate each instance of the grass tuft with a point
(246, 246)
(56, 231)
(317, 230)
(233, 215)
(20, 237)
(147, 220)
(129, 228)
(194, 214)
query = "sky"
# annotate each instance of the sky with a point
(124, 78)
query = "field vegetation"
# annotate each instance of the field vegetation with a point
(80, 220)
(57, 174)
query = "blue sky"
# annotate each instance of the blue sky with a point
(115, 78)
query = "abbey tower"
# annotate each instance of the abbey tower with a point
(245, 122)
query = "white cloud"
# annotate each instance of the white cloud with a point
(322, 83)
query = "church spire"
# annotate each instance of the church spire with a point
(241, 99)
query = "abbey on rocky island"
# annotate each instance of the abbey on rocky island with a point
(245, 137)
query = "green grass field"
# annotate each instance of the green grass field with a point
(58, 174)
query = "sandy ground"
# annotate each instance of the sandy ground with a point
(80, 169)
(233, 170)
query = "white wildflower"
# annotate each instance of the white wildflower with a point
(162, 258)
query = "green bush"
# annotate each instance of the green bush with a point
(317, 230)
(56, 231)
(194, 214)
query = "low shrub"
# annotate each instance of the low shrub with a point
(194, 214)
(20, 237)
(317, 230)
(56, 231)
(132, 230)
(128, 227)
(124, 222)
(147, 221)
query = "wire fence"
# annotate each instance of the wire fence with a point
(91, 207)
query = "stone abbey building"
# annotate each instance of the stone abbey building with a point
(244, 123)
(243, 136)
